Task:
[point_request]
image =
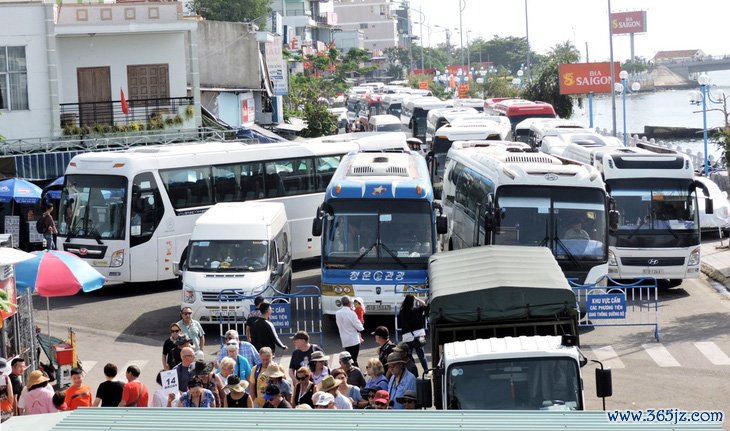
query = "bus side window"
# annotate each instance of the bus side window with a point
(147, 209)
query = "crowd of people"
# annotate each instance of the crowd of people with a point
(245, 374)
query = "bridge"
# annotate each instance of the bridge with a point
(691, 68)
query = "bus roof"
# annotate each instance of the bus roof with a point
(449, 113)
(474, 129)
(364, 141)
(368, 175)
(516, 163)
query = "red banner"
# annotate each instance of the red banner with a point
(628, 22)
(584, 78)
(423, 85)
(463, 91)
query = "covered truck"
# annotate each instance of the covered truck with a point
(504, 332)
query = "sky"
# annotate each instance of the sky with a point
(671, 24)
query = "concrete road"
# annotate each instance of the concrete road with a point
(687, 369)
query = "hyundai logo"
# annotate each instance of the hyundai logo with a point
(653, 261)
(377, 290)
(551, 177)
(83, 251)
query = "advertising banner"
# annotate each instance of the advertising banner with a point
(628, 22)
(277, 67)
(584, 78)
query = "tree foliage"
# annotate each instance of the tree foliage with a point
(510, 51)
(545, 85)
(638, 65)
(233, 10)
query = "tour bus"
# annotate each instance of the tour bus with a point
(415, 110)
(378, 226)
(477, 104)
(653, 226)
(532, 130)
(505, 193)
(518, 110)
(483, 129)
(491, 103)
(384, 123)
(391, 103)
(438, 118)
(136, 208)
(555, 141)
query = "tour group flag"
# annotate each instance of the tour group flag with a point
(125, 107)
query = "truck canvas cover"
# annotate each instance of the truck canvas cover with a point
(497, 282)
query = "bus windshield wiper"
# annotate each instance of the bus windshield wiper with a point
(363, 254)
(643, 222)
(560, 243)
(394, 256)
(669, 229)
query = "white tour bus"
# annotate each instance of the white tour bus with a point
(437, 118)
(653, 225)
(504, 193)
(415, 111)
(532, 130)
(555, 141)
(130, 213)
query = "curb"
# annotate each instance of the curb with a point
(714, 274)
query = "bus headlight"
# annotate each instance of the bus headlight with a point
(612, 259)
(188, 295)
(694, 257)
(336, 289)
(117, 259)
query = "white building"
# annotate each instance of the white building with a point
(377, 19)
(310, 24)
(64, 64)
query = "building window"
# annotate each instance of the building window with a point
(148, 81)
(363, 26)
(13, 78)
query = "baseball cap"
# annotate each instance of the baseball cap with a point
(325, 399)
(382, 396)
(271, 391)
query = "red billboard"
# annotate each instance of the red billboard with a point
(628, 22)
(583, 78)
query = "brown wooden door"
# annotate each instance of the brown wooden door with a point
(95, 95)
(148, 81)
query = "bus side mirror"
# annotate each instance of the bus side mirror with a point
(604, 384)
(442, 225)
(279, 270)
(613, 216)
(709, 206)
(317, 226)
(176, 269)
(424, 396)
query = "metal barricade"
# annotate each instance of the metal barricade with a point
(619, 304)
(293, 312)
(420, 293)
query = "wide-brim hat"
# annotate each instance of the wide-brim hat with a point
(409, 395)
(182, 339)
(318, 356)
(395, 358)
(238, 388)
(274, 371)
(36, 377)
(329, 383)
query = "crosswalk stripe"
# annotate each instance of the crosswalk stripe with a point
(608, 357)
(660, 355)
(713, 353)
(88, 365)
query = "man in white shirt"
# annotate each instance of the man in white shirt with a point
(349, 327)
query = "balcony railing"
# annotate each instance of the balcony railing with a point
(143, 114)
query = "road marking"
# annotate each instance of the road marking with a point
(660, 355)
(713, 353)
(608, 357)
(88, 365)
(139, 363)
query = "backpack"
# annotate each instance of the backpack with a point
(40, 224)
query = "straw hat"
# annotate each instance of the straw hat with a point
(239, 388)
(274, 371)
(36, 377)
(329, 383)
(318, 356)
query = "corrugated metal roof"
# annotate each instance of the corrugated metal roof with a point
(141, 419)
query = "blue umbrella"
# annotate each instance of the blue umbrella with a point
(20, 191)
(53, 190)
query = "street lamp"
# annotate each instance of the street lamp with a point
(701, 97)
(624, 75)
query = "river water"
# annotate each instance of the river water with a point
(658, 108)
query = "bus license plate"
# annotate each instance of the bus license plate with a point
(653, 271)
(378, 307)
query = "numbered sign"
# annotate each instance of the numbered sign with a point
(169, 382)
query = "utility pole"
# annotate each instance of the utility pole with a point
(613, 72)
(422, 52)
(462, 6)
(527, 36)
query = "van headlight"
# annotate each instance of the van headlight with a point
(694, 257)
(188, 294)
(117, 259)
(258, 289)
(612, 258)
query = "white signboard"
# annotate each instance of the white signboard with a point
(169, 382)
(277, 67)
(12, 227)
(33, 235)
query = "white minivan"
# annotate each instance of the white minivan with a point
(384, 123)
(240, 246)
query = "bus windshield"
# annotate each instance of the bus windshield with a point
(661, 208)
(549, 383)
(569, 221)
(227, 256)
(378, 233)
(93, 206)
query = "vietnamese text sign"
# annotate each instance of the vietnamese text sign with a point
(423, 85)
(12, 226)
(606, 306)
(463, 91)
(277, 67)
(169, 382)
(584, 78)
(628, 22)
(280, 315)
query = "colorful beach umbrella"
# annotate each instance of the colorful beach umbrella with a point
(20, 191)
(56, 273)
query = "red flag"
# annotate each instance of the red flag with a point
(125, 107)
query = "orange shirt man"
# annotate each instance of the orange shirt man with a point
(78, 394)
(135, 393)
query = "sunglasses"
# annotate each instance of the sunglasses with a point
(174, 330)
(187, 313)
(301, 377)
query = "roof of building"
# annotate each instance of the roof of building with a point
(165, 419)
(680, 53)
